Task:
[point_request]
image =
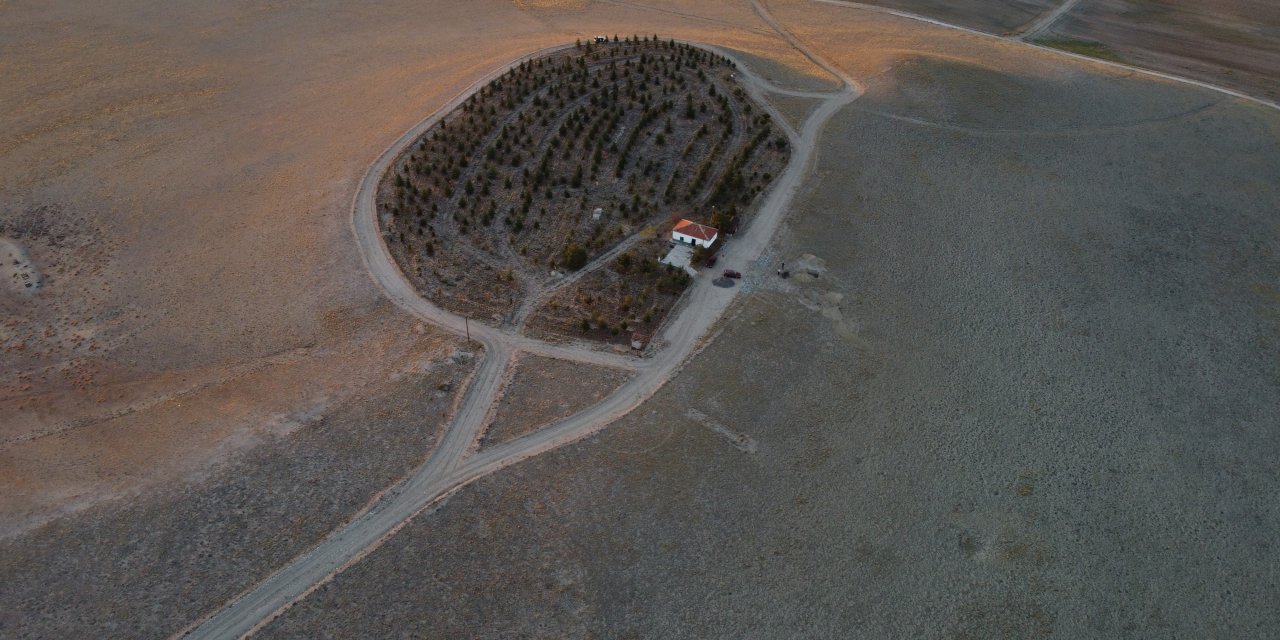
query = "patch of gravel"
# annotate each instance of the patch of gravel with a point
(146, 567)
(1032, 395)
(543, 390)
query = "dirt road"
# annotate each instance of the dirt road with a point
(1040, 24)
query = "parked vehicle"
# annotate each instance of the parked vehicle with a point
(730, 273)
(710, 261)
(602, 39)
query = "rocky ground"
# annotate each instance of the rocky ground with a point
(1025, 392)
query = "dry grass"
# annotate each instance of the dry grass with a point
(1083, 47)
(543, 390)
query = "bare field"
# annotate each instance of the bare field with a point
(1231, 43)
(543, 390)
(181, 180)
(794, 110)
(992, 16)
(1028, 389)
(1029, 393)
(143, 567)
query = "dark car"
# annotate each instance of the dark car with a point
(730, 273)
(710, 261)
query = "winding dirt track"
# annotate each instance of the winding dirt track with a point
(450, 468)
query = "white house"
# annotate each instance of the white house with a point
(691, 233)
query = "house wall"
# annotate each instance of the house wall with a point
(683, 239)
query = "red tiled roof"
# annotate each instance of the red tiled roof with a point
(695, 230)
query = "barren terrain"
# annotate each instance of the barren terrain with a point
(181, 180)
(1230, 43)
(1035, 401)
(1022, 381)
(992, 16)
(543, 390)
(145, 566)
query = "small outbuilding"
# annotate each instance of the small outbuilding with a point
(694, 234)
(639, 340)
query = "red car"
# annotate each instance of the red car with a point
(730, 273)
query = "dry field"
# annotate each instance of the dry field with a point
(180, 179)
(543, 390)
(992, 16)
(1232, 43)
(146, 566)
(1030, 392)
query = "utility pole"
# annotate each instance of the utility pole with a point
(466, 322)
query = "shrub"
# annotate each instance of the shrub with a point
(574, 256)
(699, 254)
(624, 262)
